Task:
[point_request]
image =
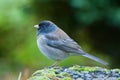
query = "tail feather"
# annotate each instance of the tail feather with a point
(95, 59)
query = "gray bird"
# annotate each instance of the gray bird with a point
(55, 44)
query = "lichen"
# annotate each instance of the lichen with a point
(76, 73)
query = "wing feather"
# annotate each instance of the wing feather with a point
(64, 43)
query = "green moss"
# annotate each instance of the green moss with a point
(59, 73)
(50, 73)
(117, 70)
(39, 78)
(85, 68)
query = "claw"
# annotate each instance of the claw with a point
(55, 64)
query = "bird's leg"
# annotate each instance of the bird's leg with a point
(56, 63)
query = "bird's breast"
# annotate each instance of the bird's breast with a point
(48, 51)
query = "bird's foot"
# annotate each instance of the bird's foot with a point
(55, 64)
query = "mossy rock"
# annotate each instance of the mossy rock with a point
(76, 73)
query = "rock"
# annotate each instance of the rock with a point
(76, 73)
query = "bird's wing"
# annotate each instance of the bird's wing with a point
(65, 44)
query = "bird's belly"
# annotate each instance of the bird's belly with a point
(50, 52)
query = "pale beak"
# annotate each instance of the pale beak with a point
(36, 26)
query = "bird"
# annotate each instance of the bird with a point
(55, 44)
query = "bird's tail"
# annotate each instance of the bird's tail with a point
(95, 59)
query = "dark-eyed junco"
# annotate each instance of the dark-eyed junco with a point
(55, 44)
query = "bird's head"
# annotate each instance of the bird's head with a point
(45, 27)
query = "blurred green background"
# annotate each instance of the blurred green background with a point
(94, 24)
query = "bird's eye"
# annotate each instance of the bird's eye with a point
(40, 24)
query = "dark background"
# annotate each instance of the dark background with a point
(94, 24)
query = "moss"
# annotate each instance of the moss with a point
(117, 70)
(39, 78)
(75, 72)
(118, 78)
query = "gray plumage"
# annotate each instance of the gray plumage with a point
(57, 45)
